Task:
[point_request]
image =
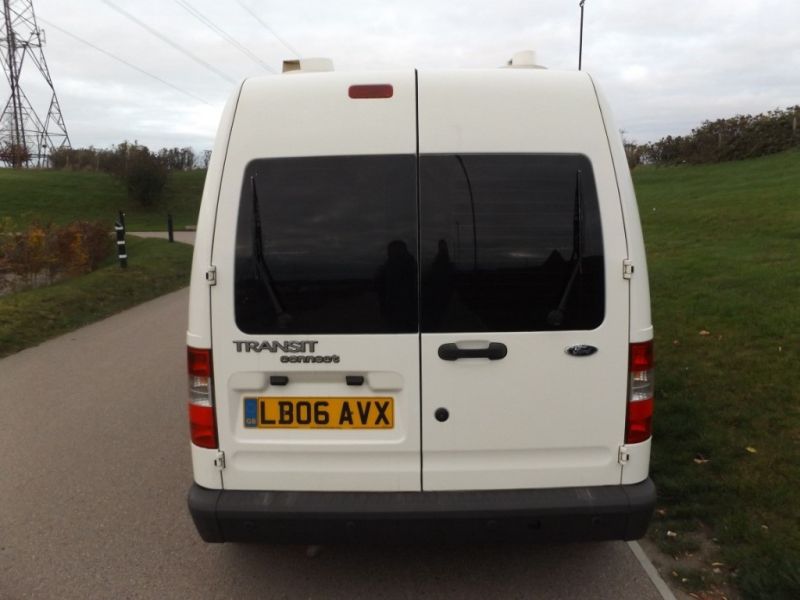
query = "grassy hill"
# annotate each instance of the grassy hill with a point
(63, 196)
(723, 245)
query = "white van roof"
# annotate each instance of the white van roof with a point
(561, 106)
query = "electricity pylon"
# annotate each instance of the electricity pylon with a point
(25, 139)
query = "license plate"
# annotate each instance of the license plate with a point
(271, 412)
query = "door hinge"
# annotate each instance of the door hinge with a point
(219, 461)
(211, 275)
(627, 268)
(623, 456)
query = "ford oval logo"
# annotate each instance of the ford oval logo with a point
(581, 350)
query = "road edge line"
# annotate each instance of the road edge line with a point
(651, 571)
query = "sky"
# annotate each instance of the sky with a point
(664, 66)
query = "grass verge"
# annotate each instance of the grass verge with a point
(722, 245)
(65, 196)
(155, 267)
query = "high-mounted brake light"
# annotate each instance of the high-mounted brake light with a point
(639, 416)
(372, 90)
(202, 420)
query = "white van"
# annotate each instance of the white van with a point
(419, 309)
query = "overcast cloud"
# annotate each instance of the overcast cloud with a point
(665, 66)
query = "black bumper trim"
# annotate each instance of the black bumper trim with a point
(556, 514)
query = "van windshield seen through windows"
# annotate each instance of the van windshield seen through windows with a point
(506, 243)
(328, 245)
(501, 235)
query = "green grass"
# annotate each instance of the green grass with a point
(65, 196)
(155, 267)
(723, 245)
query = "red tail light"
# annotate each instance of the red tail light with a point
(202, 420)
(639, 417)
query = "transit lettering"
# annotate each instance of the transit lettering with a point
(290, 346)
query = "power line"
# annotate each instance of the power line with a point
(223, 34)
(268, 28)
(123, 61)
(166, 40)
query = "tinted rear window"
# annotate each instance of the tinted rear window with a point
(498, 244)
(337, 248)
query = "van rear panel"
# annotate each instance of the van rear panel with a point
(374, 238)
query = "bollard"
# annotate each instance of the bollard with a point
(122, 253)
(169, 228)
(122, 219)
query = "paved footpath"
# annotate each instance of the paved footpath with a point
(94, 468)
(185, 237)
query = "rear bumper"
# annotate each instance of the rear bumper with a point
(560, 514)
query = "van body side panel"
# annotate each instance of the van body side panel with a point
(638, 466)
(206, 474)
(537, 417)
(641, 328)
(198, 334)
(641, 322)
(319, 193)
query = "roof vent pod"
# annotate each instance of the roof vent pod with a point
(307, 65)
(524, 60)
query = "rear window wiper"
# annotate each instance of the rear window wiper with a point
(262, 273)
(556, 316)
(472, 210)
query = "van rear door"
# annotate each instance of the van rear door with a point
(314, 312)
(521, 250)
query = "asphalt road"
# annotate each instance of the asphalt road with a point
(94, 468)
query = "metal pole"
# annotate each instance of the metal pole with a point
(169, 228)
(580, 44)
(18, 145)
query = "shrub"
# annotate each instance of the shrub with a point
(50, 252)
(143, 172)
(177, 159)
(144, 175)
(15, 155)
(739, 137)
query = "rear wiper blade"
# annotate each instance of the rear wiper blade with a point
(472, 210)
(262, 273)
(556, 316)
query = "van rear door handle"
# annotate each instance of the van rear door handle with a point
(494, 351)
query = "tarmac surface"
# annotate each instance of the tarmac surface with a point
(94, 469)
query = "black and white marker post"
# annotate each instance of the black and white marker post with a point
(122, 252)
